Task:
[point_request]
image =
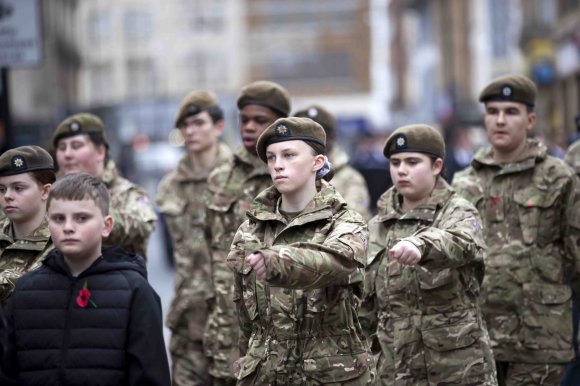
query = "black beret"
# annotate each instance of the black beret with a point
(25, 159)
(416, 138)
(290, 129)
(265, 93)
(194, 103)
(83, 123)
(511, 88)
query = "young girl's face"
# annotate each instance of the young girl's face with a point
(292, 166)
(79, 154)
(414, 174)
(22, 198)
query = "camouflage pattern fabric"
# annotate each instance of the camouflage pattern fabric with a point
(180, 200)
(350, 183)
(529, 374)
(531, 214)
(131, 210)
(423, 321)
(572, 156)
(231, 189)
(20, 256)
(299, 325)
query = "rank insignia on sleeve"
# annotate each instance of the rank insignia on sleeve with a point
(476, 224)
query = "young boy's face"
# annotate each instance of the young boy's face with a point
(77, 228)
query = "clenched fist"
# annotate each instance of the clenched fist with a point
(405, 253)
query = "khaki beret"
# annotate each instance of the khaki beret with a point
(416, 138)
(319, 115)
(194, 103)
(265, 93)
(513, 88)
(25, 159)
(83, 123)
(290, 129)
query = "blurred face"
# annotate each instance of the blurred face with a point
(292, 166)
(79, 154)
(200, 133)
(507, 124)
(414, 175)
(77, 228)
(22, 198)
(254, 119)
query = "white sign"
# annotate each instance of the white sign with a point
(20, 38)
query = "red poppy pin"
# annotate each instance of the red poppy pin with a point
(84, 297)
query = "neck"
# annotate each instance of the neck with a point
(297, 202)
(504, 157)
(78, 266)
(412, 203)
(26, 228)
(204, 160)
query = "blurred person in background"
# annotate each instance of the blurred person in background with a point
(460, 151)
(200, 120)
(572, 156)
(347, 180)
(530, 205)
(425, 266)
(81, 145)
(26, 175)
(231, 189)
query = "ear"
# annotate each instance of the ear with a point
(532, 119)
(102, 152)
(319, 160)
(437, 166)
(108, 226)
(45, 190)
(219, 127)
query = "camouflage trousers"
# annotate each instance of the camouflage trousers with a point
(529, 374)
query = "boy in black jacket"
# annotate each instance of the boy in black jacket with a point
(88, 316)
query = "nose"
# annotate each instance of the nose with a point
(8, 195)
(249, 126)
(68, 226)
(401, 169)
(501, 117)
(278, 164)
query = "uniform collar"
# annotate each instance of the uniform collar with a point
(533, 153)
(185, 170)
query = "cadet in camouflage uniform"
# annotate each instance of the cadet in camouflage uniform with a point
(530, 206)
(26, 174)
(572, 156)
(231, 189)
(180, 199)
(81, 146)
(425, 265)
(299, 262)
(347, 180)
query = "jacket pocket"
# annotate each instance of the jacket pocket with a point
(336, 368)
(454, 354)
(538, 214)
(547, 316)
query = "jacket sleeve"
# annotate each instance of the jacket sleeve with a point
(454, 241)
(571, 231)
(147, 362)
(308, 265)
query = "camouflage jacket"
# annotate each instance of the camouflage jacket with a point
(350, 183)
(20, 256)
(572, 156)
(132, 213)
(231, 189)
(531, 214)
(423, 321)
(300, 322)
(180, 200)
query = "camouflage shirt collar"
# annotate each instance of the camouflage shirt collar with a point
(243, 156)
(185, 170)
(266, 205)
(39, 234)
(338, 157)
(389, 204)
(110, 173)
(534, 152)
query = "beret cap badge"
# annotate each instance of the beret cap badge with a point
(18, 162)
(193, 109)
(312, 112)
(282, 131)
(506, 91)
(401, 142)
(74, 126)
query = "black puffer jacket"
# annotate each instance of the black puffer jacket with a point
(116, 339)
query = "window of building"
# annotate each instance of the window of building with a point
(99, 25)
(205, 15)
(138, 25)
(206, 70)
(499, 11)
(141, 79)
(101, 83)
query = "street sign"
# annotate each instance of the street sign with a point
(20, 36)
